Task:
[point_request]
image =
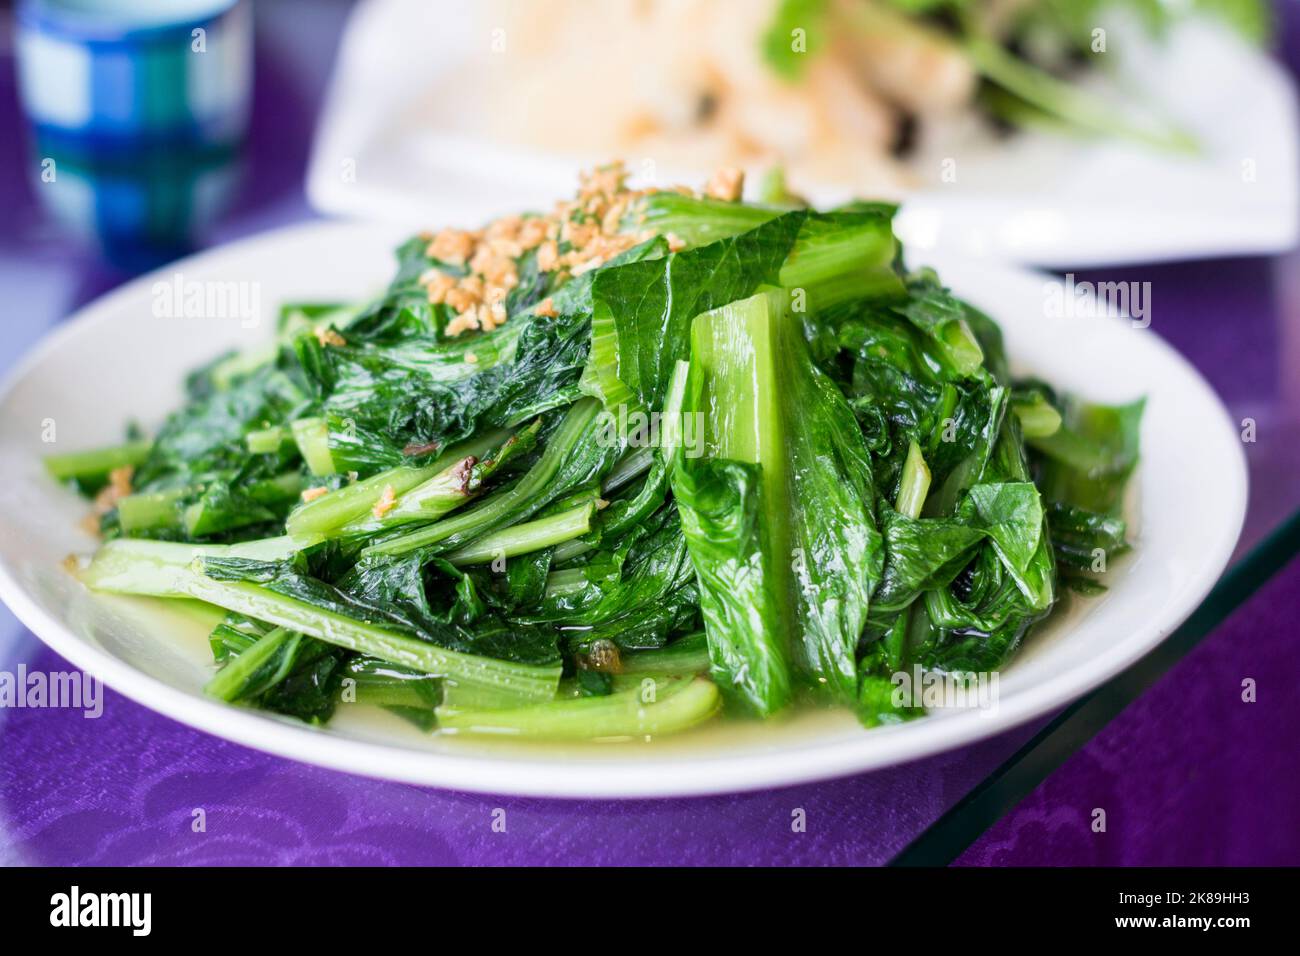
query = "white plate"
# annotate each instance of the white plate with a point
(115, 362)
(393, 143)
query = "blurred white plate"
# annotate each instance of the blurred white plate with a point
(392, 144)
(115, 362)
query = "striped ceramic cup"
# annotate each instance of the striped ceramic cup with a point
(137, 110)
(105, 73)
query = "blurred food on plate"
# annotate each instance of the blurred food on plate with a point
(836, 90)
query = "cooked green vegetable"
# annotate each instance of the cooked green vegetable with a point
(661, 455)
(96, 462)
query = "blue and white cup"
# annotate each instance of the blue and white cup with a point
(138, 109)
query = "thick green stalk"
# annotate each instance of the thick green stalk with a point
(630, 467)
(1038, 417)
(333, 510)
(915, 483)
(428, 501)
(265, 441)
(501, 505)
(526, 537)
(697, 221)
(313, 438)
(381, 684)
(731, 498)
(276, 490)
(525, 681)
(838, 263)
(97, 462)
(329, 513)
(625, 513)
(829, 264)
(149, 510)
(135, 566)
(567, 581)
(166, 569)
(656, 706)
(233, 680)
(568, 550)
(686, 655)
(156, 510)
(1066, 102)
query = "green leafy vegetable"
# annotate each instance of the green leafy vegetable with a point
(742, 458)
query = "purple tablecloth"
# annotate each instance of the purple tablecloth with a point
(1191, 774)
(124, 788)
(1186, 774)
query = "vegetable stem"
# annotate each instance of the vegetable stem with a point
(567, 581)
(630, 467)
(686, 655)
(427, 501)
(313, 438)
(1038, 418)
(139, 566)
(527, 681)
(732, 501)
(699, 221)
(568, 550)
(500, 506)
(915, 483)
(526, 537)
(673, 705)
(150, 510)
(233, 680)
(851, 261)
(276, 490)
(329, 513)
(96, 462)
(265, 441)
(1072, 105)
